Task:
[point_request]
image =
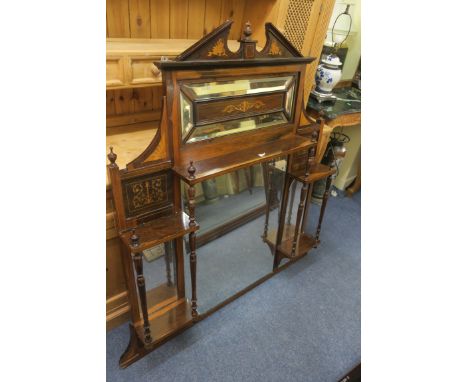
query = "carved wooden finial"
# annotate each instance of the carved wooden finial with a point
(191, 170)
(247, 31)
(112, 156)
(134, 239)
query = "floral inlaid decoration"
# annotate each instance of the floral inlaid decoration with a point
(275, 49)
(243, 106)
(218, 49)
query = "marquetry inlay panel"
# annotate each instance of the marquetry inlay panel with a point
(148, 193)
(218, 49)
(235, 107)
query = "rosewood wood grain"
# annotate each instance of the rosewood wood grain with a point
(192, 241)
(212, 51)
(208, 60)
(226, 163)
(138, 265)
(160, 231)
(240, 107)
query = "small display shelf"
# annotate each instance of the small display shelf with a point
(160, 231)
(317, 172)
(305, 242)
(166, 321)
(211, 167)
(291, 241)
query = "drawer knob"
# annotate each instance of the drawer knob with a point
(155, 70)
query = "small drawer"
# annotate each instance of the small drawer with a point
(299, 161)
(115, 74)
(143, 71)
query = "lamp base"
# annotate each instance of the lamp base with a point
(322, 97)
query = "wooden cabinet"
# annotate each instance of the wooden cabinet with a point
(130, 62)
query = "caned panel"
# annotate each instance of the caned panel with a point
(296, 23)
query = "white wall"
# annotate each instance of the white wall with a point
(353, 43)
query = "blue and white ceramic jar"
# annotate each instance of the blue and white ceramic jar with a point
(328, 73)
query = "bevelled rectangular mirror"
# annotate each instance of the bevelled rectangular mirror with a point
(218, 108)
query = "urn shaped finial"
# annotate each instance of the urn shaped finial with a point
(247, 31)
(191, 170)
(112, 156)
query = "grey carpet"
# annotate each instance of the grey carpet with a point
(301, 325)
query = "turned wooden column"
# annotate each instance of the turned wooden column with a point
(269, 178)
(310, 163)
(138, 264)
(282, 214)
(192, 240)
(322, 209)
(300, 211)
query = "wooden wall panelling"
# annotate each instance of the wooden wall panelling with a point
(118, 19)
(160, 15)
(196, 17)
(141, 70)
(115, 71)
(178, 18)
(123, 101)
(110, 102)
(157, 97)
(212, 15)
(234, 10)
(129, 106)
(132, 118)
(142, 100)
(258, 13)
(140, 25)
